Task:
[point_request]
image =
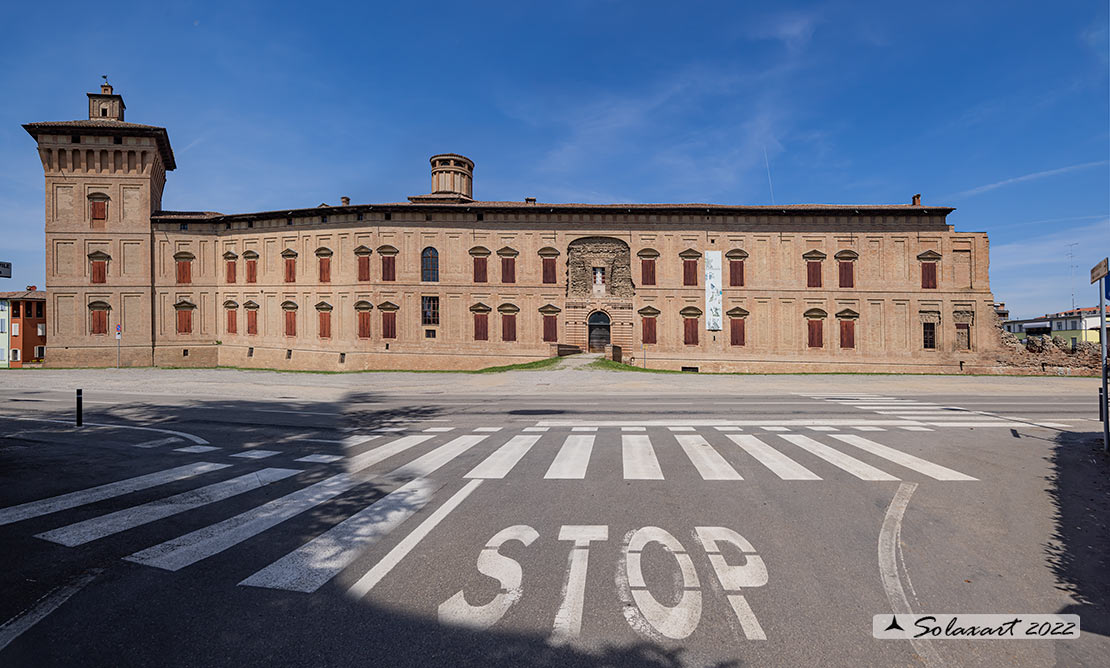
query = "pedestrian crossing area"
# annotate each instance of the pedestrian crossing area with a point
(228, 504)
(924, 413)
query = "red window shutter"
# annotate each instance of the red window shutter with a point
(231, 271)
(508, 270)
(736, 273)
(184, 321)
(99, 210)
(816, 336)
(389, 325)
(290, 323)
(231, 321)
(690, 331)
(647, 271)
(389, 268)
(99, 271)
(690, 272)
(648, 329)
(252, 271)
(364, 267)
(325, 324)
(550, 328)
(325, 270)
(364, 323)
(549, 270)
(183, 273)
(813, 274)
(290, 270)
(252, 321)
(481, 326)
(736, 331)
(847, 334)
(99, 322)
(480, 270)
(847, 275)
(929, 275)
(508, 327)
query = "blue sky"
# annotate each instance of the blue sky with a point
(998, 109)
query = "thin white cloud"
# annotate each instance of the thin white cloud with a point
(1028, 177)
(793, 29)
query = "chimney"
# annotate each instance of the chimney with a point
(917, 199)
(345, 201)
(529, 200)
(32, 288)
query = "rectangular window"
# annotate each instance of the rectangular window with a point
(98, 210)
(252, 271)
(736, 273)
(508, 270)
(252, 321)
(231, 321)
(184, 271)
(15, 354)
(364, 324)
(847, 333)
(816, 334)
(325, 269)
(324, 318)
(481, 327)
(15, 309)
(847, 275)
(929, 275)
(508, 327)
(963, 336)
(480, 270)
(549, 270)
(813, 274)
(647, 327)
(736, 331)
(99, 271)
(231, 271)
(690, 272)
(389, 324)
(429, 310)
(40, 329)
(647, 271)
(550, 328)
(389, 267)
(364, 268)
(99, 322)
(184, 321)
(290, 323)
(40, 351)
(690, 331)
(290, 270)
(929, 335)
(40, 309)
(15, 329)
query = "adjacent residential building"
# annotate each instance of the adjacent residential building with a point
(26, 326)
(447, 281)
(1074, 326)
(4, 326)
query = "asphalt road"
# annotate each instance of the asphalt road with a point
(572, 529)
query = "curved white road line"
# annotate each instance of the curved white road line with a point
(889, 540)
(194, 439)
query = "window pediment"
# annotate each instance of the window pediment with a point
(508, 308)
(480, 251)
(815, 314)
(690, 312)
(183, 256)
(647, 253)
(288, 253)
(250, 305)
(814, 255)
(387, 250)
(323, 306)
(323, 251)
(250, 255)
(230, 255)
(737, 312)
(649, 312)
(737, 254)
(690, 254)
(100, 305)
(929, 256)
(480, 308)
(550, 309)
(363, 251)
(388, 306)
(548, 251)
(184, 304)
(505, 251)
(846, 254)
(231, 303)
(97, 256)
(847, 314)
(289, 306)
(363, 305)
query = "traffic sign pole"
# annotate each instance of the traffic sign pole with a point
(119, 336)
(1103, 287)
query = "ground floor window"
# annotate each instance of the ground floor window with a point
(184, 321)
(252, 321)
(364, 324)
(232, 316)
(929, 335)
(963, 336)
(508, 327)
(481, 327)
(290, 323)
(15, 354)
(847, 333)
(690, 331)
(40, 351)
(550, 328)
(389, 324)
(816, 334)
(648, 329)
(736, 331)
(429, 310)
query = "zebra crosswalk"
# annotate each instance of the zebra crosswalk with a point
(407, 470)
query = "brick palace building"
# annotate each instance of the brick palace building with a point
(444, 281)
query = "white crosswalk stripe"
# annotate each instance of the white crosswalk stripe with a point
(639, 458)
(129, 518)
(861, 470)
(502, 460)
(159, 442)
(93, 494)
(901, 458)
(572, 460)
(709, 463)
(778, 463)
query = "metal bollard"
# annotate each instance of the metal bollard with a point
(79, 419)
(1101, 406)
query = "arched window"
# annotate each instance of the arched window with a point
(737, 317)
(429, 265)
(846, 267)
(690, 259)
(98, 317)
(183, 261)
(847, 318)
(690, 316)
(230, 265)
(251, 258)
(815, 325)
(323, 261)
(813, 260)
(508, 321)
(98, 267)
(290, 257)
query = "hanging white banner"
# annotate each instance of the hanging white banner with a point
(713, 308)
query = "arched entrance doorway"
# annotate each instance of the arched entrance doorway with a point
(598, 328)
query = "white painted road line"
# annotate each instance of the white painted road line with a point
(572, 460)
(928, 468)
(535, 429)
(129, 518)
(185, 550)
(681, 428)
(915, 429)
(401, 550)
(861, 470)
(870, 429)
(438, 430)
(823, 429)
(190, 437)
(781, 465)
(256, 454)
(429, 463)
(113, 489)
(775, 429)
(584, 429)
(312, 565)
(502, 460)
(790, 422)
(320, 459)
(709, 463)
(633, 428)
(488, 429)
(16, 626)
(196, 449)
(640, 462)
(157, 443)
